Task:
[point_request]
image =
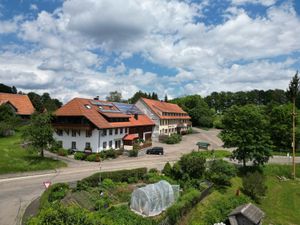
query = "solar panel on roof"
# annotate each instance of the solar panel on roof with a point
(110, 110)
(127, 108)
(101, 103)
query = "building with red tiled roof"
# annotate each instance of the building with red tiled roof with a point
(168, 118)
(20, 103)
(83, 124)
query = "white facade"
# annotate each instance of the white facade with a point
(99, 140)
(162, 126)
(147, 111)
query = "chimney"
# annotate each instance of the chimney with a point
(96, 98)
(136, 116)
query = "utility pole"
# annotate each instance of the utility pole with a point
(294, 139)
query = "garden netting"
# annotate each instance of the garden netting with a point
(152, 199)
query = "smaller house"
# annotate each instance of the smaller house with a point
(20, 104)
(247, 214)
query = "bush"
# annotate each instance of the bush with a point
(254, 185)
(111, 153)
(53, 193)
(55, 147)
(133, 153)
(220, 207)
(80, 156)
(193, 165)
(116, 176)
(167, 170)
(153, 170)
(108, 183)
(184, 204)
(132, 180)
(220, 172)
(62, 152)
(93, 158)
(173, 139)
(102, 203)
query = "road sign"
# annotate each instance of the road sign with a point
(47, 184)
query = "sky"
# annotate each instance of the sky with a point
(87, 48)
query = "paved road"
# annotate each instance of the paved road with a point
(17, 192)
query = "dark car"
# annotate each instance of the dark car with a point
(155, 151)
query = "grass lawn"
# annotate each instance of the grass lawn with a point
(14, 158)
(281, 204)
(284, 153)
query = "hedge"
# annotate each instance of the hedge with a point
(116, 176)
(185, 203)
(53, 193)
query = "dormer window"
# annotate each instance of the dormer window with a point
(87, 106)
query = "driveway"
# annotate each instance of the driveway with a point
(16, 191)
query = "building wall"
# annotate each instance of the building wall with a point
(162, 127)
(146, 110)
(80, 140)
(96, 140)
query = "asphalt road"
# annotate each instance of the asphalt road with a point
(17, 191)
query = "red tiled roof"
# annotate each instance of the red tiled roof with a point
(130, 137)
(77, 107)
(158, 107)
(21, 102)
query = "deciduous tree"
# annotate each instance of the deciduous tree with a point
(246, 129)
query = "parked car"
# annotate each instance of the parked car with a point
(155, 151)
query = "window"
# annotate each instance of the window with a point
(88, 145)
(118, 144)
(104, 145)
(73, 133)
(121, 130)
(60, 144)
(87, 106)
(104, 132)
(73, 145)
(110, 131)
(110, 144)
(59, 132)
(116, 131)
(88, 133)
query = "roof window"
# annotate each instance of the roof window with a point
(87, 106)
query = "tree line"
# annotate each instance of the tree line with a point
(41, 103)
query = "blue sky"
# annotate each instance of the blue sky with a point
(86, 48)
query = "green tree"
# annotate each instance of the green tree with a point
(220, 172)
(39, 132)
(193, 165)
(292, 93)
(114, 96)
(8, 120)
(246, 128)
(281, 126)
(197, 108)
(167, 170)
(166, 98)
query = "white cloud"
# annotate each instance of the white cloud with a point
(261, 2)
(33, 7)
(73, 44)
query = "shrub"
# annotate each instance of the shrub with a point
(153, 170)
(53, 193)
(116, 176)
(93, 158)
(167, 170)
(254, 185)
(79, 156)
(220, 172)
(193, 165)
(111, 153)
(173, 139)
(102, 203)
(184, 204)
(62, 152)
(55, 146)
(220, 207)
(108, 183)
(133, 153)
(132, 180)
